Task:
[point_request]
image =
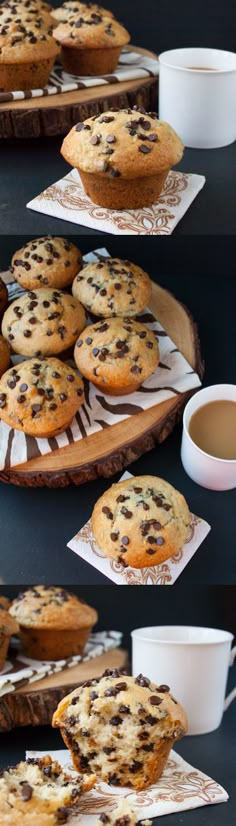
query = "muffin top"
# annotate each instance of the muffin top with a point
(119, 352)
(43, 322)
(11, 15)
(40, 396)
(113, 287)
(91, 30)
(4, 355)
(48, 261)
(38, 787)
(53, 607)
(8, 624)
(26, 41)
(73, 8)
(116, 697)
(3, 295)
(136, 520)
(127, 142)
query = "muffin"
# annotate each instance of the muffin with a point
(91, 43)
(123, 157)
(8, 626)
(73, 8)
(46, 262)
(4, 603)
(40, 397)
(3, 297)
(141, 522)
(53, 622)
(39, 791)
(121, 728)
(27, 54)
(113, 287)
(43, 322)
(4, 355)
(117, 355)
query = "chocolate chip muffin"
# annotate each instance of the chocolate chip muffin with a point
(123, 156)
(53, 622)
(43, 322)
(3, 297)
(117, 355)
(73, 8)
(91, 43)
(39, 791)
(122, 728)
(27, 54)
(8, 626)
(40, 397)
(4, 355)
(113, 288)
(4, 603)
(46, 262)
(141, 522)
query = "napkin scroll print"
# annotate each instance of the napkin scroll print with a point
(67, 200)
(181, 787)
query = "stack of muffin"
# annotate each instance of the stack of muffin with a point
(41, 394)
(31, 34)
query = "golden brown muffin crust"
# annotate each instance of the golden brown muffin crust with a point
(49, 261)
(130, 143)
(52, 607)
(91, 30)
(43, 322)
(113, 288)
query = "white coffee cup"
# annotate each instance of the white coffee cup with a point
(198, 103)
(194, 662)
(207, 470)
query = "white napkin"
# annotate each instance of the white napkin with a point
(181, 787)
(85, 546)
(20, 670)
(67, 200)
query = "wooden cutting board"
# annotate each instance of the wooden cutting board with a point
(96, 455)
(56, 114)
(34, 705)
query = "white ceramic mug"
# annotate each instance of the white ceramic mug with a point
(194, 662)
(207, 470)
(198, 103)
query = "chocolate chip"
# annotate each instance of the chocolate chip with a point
(154, 700)
(41, 391)
(103, 817)
(114, 173)
(21, 399)
(56, 375)
(11, 383)
(114, 537)
(26, 791)
(36, 409)
(103, 291)
(150, 551)
(53, 406)
(138, 490)
(93, 695)
(136, 369)
(79, 127)
(124, 709)
(89, 340)
(63, 397)
(160, 540)
(148, 747)
(111, 139)
(70, 377)
(95, 140)
(149, 344)
(108, 749)
(113, 780)
(115, 721)
(125, 540)
(79, 342)
(136, 766)
(27, 333)
(144, 149)
(151, 720)
(126, 513)
(120, 687)
(152, 137)
(143, 681)
(164, 689)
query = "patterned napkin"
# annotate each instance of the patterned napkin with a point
(85, 546)
(173, 376)
(67, 200)
(20, 670)
(180, 788)
(131, 66)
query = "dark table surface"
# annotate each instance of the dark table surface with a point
(214, 754)
(36, 524)
(28, 167)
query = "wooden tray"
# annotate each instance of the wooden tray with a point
(56, 114)
(97, 455)
(34, 705)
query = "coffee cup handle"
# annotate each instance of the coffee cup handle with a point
(232, 695)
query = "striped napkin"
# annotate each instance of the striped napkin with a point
(131, 66)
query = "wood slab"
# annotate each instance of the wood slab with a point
(96, 455)
(56, 114)
(34, 705)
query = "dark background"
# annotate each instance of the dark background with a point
(36, 524)
(213, 753)
(29, 166)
